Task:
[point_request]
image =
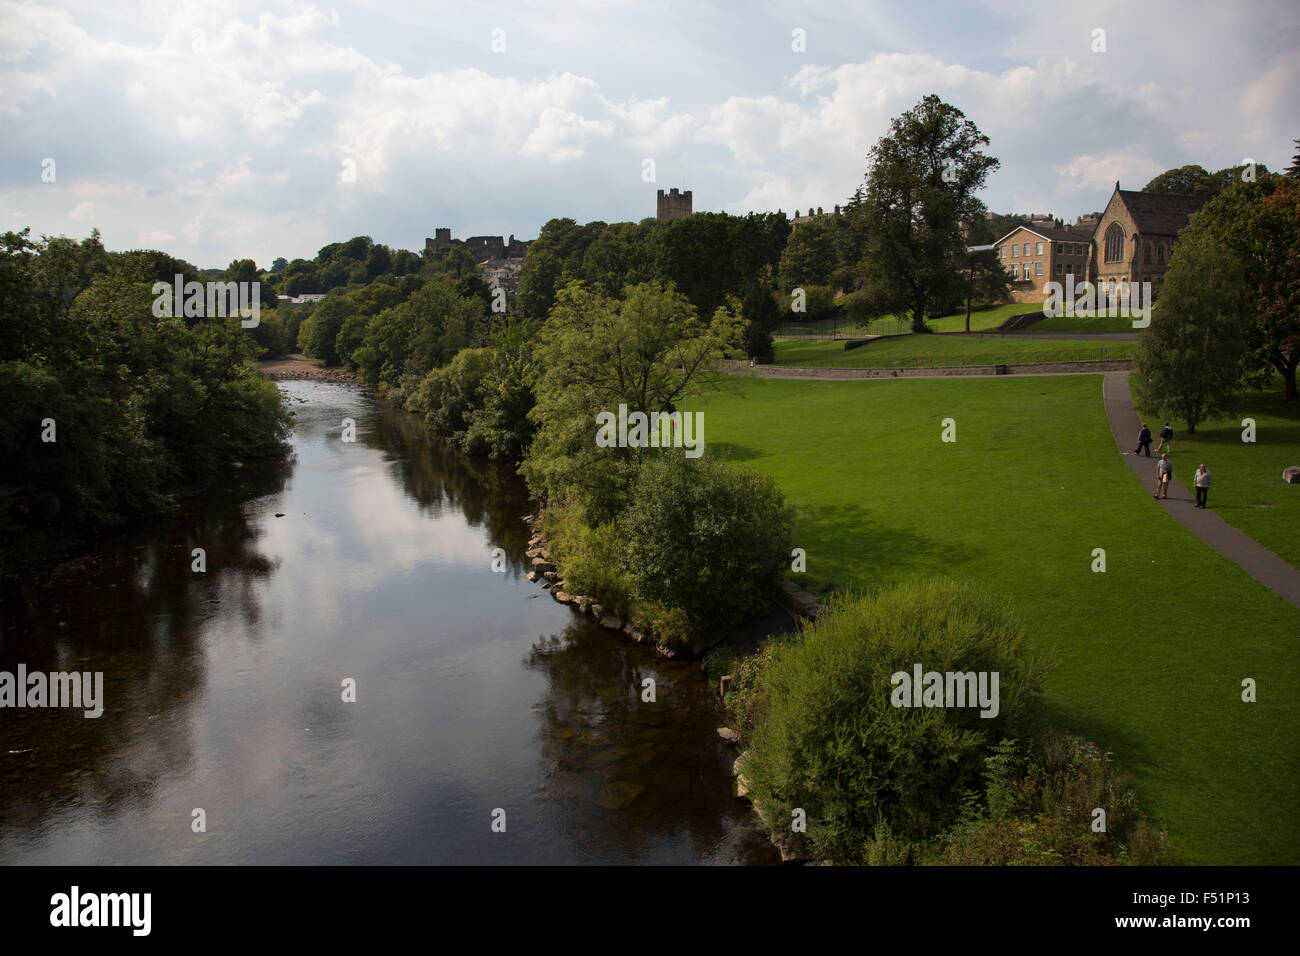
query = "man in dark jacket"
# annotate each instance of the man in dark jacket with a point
(1166, 439)
(1144, 441)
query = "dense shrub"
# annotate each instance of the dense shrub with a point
(819, 303)
(824, 735)
(450, 396)
(1039, 808)
(590, 559)
(705, 537)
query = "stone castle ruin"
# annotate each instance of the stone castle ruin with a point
(482, 248)
(673, 205)
(500, 261)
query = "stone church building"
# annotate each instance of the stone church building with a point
(1135, 237)
(1131, 241)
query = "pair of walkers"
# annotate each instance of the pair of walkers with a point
(1165, 475)
(1144, 440)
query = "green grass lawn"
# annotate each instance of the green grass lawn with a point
(1243, 476)
(1149, 655)
(910, 351)
(982, 319)
(1084, 323)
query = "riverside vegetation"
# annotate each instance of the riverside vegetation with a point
(639, 314)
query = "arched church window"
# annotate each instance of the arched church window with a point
(1115, 243)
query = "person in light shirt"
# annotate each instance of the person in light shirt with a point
(1202, 483)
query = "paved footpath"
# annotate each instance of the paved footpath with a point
(1255, 559)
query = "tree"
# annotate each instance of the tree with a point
(986, 279)
(1189, 362)
(706, 536)
(318, 334)
(1259, 223)
(596, 353)
(404, 342)
(986, 231)
(1196, 181)
(1185, 181)
(693, 254)
(1294, 169)
(279, 264)
(920, 188)
(810, 255)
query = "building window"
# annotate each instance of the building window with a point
(1147, 251)
(1060, 268)
(1160, 253)
(1015, 250)
(1115, 243)
(1002, 250)
(1060, 248)
(1039, 250)
(1038, 267)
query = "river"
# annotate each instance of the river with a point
(475, 692)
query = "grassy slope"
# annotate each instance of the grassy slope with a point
(1244, 476)
(1083, 323)
(1150, 654)
(981, 320)
(942, 350)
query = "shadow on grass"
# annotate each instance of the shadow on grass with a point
(730, 451)
(854, 535)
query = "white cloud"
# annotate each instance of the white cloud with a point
(237, 149)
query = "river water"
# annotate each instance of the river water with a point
(475, 692)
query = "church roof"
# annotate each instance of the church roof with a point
(1160, 213)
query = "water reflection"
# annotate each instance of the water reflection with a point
(132, 609)
(627, 777)
(475, 689)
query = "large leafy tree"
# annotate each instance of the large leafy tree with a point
(810, 256)
(141, 405)
(920, 191)
(644, 351)
(1260, 223)
(1189, 362)
(1185, 181)
(1197, 181)
(404, 342)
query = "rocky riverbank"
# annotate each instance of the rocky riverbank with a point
(300, 367)
(793, 846)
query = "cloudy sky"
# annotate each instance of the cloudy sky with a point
(229, 129)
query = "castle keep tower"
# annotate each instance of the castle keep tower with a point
(673, 205)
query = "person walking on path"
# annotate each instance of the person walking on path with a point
(1202, 483)
(1144, 441)
(1166, 439)
(1164, 474)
